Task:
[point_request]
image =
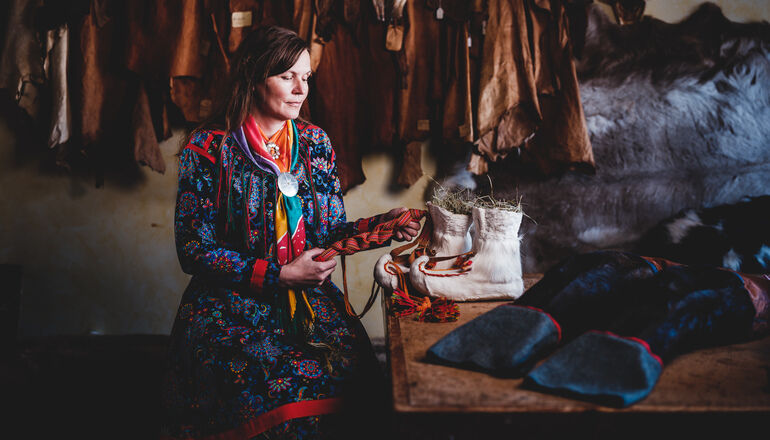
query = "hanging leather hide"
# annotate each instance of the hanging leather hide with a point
(100, 96)
(562, 142)
(529, 95)
(352, 11)
(57, 51)
(420, 91)
(102, 93)
(353, 94)
(247, 15)
(334, 105)
(21, 66)
(143, 137)
(324, 10)
(199, 61)
(457, 114)
(302, 20)
(435, 98)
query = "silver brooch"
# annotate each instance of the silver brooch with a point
(288, 184)
(273, 150)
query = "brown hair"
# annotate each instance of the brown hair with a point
(267, 51)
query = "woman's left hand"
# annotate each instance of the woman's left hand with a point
(406, 232)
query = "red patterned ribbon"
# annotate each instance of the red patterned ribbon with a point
(440, 310)
(380, 234)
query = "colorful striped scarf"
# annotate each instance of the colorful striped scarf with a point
(289, 224)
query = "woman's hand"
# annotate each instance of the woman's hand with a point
(304, 271)
(406, 232)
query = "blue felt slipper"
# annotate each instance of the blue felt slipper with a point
(506, 341)
(600, 367)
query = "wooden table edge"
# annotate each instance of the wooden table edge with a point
(396, 356)
(410, 409)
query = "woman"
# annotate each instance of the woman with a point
(262, 346)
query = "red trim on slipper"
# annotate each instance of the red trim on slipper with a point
(558, 327)
(660, 263)
(260, 424)
(642, 342)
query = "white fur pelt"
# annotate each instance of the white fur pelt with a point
(678, 116)
(450, 236)
(496, 269)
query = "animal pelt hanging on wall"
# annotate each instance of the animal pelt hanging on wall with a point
(678, 116)
(691, 95)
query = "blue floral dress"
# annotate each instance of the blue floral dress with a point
(233, 371)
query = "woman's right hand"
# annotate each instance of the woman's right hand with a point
(304, 271)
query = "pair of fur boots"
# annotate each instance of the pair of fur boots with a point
(469, 257)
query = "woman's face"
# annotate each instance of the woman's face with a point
(283, 94)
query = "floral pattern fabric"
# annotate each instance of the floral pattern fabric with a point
(231, 361)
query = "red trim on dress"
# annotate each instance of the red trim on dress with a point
(257, 279)
(207, 143)
(260, 424)
(202, 151)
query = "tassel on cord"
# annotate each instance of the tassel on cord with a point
(405, 304)
(430, 310)
(440, 310)
(297, 321)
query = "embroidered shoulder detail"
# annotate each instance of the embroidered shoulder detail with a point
(206, 143)
(301, 126)
(318, 145)
(313, 134)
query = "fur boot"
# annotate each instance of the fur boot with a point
(450, 236)
(494, 268)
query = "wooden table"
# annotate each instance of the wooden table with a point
(712, 393)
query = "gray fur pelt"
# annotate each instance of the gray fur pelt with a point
(662, 97)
